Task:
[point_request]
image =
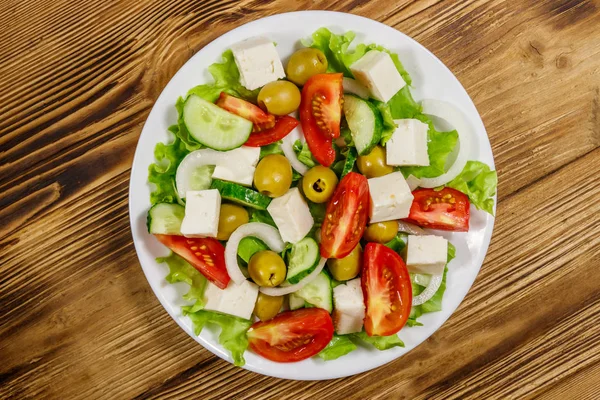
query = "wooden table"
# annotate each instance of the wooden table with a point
(78, 319)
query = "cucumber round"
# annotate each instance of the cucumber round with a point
(364, 121)
(165, 219)
(318, 292)
(241, 195)
(304, 258)
(296, 302)
(214, 127)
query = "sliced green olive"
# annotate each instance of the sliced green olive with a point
(319, 183)
(267, 268)
(373, 164)
(305, 63)
(267, 307)
(381, 232)
(279, 97)
(231, 217)
(273, 175)
(343, 269)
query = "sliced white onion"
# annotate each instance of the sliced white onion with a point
(430, 290)
(412, 229)
(288, 149)
(413, 182)
(283, 290)
(353, 86)
(456, 118)
(264, 232)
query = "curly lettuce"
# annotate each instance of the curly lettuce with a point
(181, 271)
(162, 172)
(478, 182)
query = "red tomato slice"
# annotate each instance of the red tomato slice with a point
(446, 209)
(321, 113)
(387, 290)
(345, 217)
(207, 255)
(247, 110)
(282, 128)
(292, 335)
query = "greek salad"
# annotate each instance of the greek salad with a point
(298, 200)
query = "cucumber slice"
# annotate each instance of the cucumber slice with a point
(241, 195)
(295, 302)
(249, 246)
(214, 127)
(350, 161)
(304, 258)
(318, 292)
(165, 219)
(364, 121)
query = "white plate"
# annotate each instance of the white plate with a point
(431, 79)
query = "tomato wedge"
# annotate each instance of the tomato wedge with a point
(345, 217)
(207, 255)
(247, 110)
(387, 290)
(283, 126)
(292, 335)
(321, 113)
(446, 209)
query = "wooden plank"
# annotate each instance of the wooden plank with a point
(78, 319)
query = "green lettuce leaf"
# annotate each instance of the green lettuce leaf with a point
(226, 79)
(162, 172)
(261, 216)
(339, 345)
(380, 342)
(398, 243)
(181, 271)
(273, 148)
(304, 154)
(439, 147)
(233, 331)
(402, 105)
(479, 183)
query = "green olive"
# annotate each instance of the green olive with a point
(381, 232)
(305, 63)
(346, 268)
(267, 307)
(319, 183)
(266, 268)
(279, 97)
(273, 175)
(373, 164)
(230, 218)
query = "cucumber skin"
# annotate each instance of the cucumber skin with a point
(350, 161)
(178, 207)
(241, 194)
(377, 128)
(192, 134)
(302, 274)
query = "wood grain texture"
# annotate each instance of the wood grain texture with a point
(77, 317)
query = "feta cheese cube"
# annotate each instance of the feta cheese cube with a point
(291, 215)
(258, 62)
(377, 72)
(408, 144)
(426, 254)
(348, 307)
(240, 166)
(238, 300)
(202, 210)
(390, 197)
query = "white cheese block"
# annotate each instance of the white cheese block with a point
(240, 166)
(238, 300)
(391, 197)
(291, 215)
(202, 210)
(408, 144)
(426, 254)
(258, 62)
(377, 72)
(348, 307)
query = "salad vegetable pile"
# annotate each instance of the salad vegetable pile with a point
(297, 201)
